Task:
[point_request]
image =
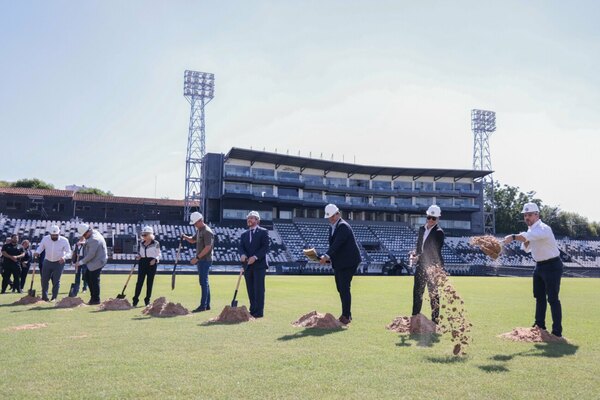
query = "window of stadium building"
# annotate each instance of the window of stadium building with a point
(463, 202)
(424, 201)
(424, 186)
(462, 186)
(403, 185)
(237, 187)
(382, 201)
(445, 224)
(445, 186)
(381, 185)
(403, 201)
(290, 193)
(262, 190)
(337, 182)
(444, 201)
(288, 176)
(237, 170)
(241, 214)
(359, 200)
(336, 199)
(314, 179)
(308, 195)
(359, 183)
(263, 173)
(285, 215)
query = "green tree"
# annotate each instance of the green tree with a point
(95, 191)
(509, 201)
(33, 183)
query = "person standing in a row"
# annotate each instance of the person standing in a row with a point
(25, 261)
(204, 241)
(254, 247)
(12, 253)
(80, 272)
(344, 255)
(57, 251)
(95, 257)
(148, 257)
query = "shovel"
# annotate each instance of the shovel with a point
(175, 266)
(72, 292)
(31, 291)
(234, 302)
(122, 295)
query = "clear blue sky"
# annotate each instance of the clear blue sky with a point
(91, 91)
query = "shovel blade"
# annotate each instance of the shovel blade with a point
(234, 303)
(72, 290)
(121, 296)
(31, 292)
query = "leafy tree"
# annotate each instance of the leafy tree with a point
(95, 191)
(34, 183)
(509, 201)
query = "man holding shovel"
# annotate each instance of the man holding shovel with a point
(95, 257)
(254, 246)
(204, 241)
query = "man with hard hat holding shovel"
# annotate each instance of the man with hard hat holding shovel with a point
(57, 251)
(540, 242)
(428, 255)
(204, 241)
(344, 255)
(95, 257)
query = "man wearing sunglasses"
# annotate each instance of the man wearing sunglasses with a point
(428, 255)
(540, 242)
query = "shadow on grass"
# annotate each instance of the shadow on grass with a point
(421, 340)
(447, 360)
(310, 332)
(493, 368)
(218, 323)
(549, 350)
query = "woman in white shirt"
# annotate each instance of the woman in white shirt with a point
(148, 256)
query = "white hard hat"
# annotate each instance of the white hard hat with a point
(254, 214)
(82, 228)
(331, 210)
(434, 211)
(147, 229)
(530, 207)
(54, 230)
(195, 217)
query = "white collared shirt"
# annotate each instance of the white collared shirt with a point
(542, 244)
(55, 250)
(425, 235)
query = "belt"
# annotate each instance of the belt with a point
(548, 261)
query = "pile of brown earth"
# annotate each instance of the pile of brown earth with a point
(532, 335)
(115, 304)
(161, 308)
(318, 321)
(70, 302)
(28, 300)
(416, 324)
(232, 315)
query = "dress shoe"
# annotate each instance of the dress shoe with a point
(93, 303)
(344, 320)
(199, 309)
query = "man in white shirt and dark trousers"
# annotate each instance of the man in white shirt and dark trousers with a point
(540, 242)
(57, 251)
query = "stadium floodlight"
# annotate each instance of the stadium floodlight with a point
(199, 90)
(483, 124)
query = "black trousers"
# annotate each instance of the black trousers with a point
(422, 280)
(7, 272)
(343, 280)
(255, 285)
(93, 278)
(546, 286)
(24, 272)
(145, 272)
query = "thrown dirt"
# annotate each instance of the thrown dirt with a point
(115, 304)
(70, 302)
(232, 315)
(28, 300)
(27, 327)
(532, 335)
(416, 324)
(400, 325)
(161, 308)
(488, 244)
(318, 321)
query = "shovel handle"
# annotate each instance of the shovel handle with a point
(128, 278)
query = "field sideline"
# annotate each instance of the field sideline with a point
(122, 354)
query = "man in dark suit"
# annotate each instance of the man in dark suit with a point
(254, 246)
(344, 255)
(428, 255)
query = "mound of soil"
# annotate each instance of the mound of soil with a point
(318, 321)
(532, 335)
(232, 315)
(70, 302)
(400, 325)
(115, 304)
(416, 324)
(27, 327)
(28, 300)
(161, 308)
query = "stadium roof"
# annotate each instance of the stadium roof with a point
(90, 197)
(351, 169)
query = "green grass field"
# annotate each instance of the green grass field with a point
(122, 354)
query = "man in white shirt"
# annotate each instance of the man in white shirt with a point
(540, 242)
(57, 251)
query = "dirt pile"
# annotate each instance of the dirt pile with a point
(416, 324)
(400, 325)
(70, 302)
(532, 335)
(161, 308)
(488, 244)
(318, 321)
(453, 318)
(232, 315)
(115, 304)
(27, 327)
(27, 300)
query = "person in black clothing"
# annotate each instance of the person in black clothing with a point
(148, 258)
(25, 262)
(344, 255)
(428, 255)
(12, 253)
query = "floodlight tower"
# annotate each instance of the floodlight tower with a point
(483, 124)
(198, 89)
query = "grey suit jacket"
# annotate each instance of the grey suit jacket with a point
(95, 252)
